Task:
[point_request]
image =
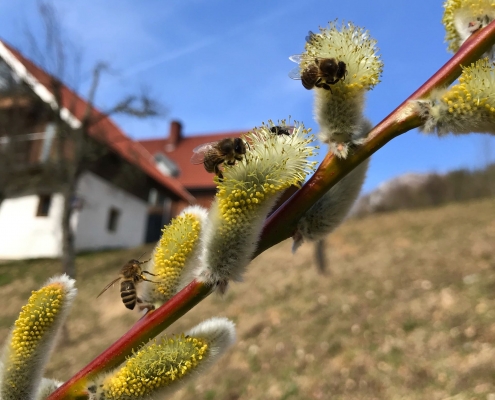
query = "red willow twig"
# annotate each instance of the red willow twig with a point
(280, 225)
(145, 329)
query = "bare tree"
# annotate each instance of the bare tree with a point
(75, 148)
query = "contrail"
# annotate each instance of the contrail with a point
(263, 19)
(167, 57)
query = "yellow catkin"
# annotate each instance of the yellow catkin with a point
(32, 337)
(476, 8)
(242, 194)
(476, 87)
(352, 45)
(155, 366)
(247, 193)
(468, 106)
(175, 246)
(339, 106)
(34, 320)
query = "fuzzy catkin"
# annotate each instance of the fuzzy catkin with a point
(466, 107)
(339, 117)
(331, 209)
(339, 109)
(462, 18)
(164, 365)
(174, 257)
(247, 193)
(47, 387)
(32, 338)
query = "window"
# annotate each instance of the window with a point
(153, 197)
(113, 219)
(166, 165)
(47, 142)
(44, 203)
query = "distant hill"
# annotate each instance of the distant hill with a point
(426, 190)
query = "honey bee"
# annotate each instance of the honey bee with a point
(322, 73)
(282, 130)
(131, 274)
(211, 155)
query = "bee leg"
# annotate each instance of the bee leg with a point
(144, 306)
(147, 280)
(240, 158)
(144, 262)
(231, 162)
(218, 173)
(149, 273)
(323, 85)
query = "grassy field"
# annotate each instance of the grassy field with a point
(406, 311)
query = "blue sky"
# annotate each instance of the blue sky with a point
(220, 65)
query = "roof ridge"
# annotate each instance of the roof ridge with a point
(33, 75)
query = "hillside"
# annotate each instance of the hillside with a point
(411, 191)
(407, 311)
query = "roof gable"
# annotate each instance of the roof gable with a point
(72, 109)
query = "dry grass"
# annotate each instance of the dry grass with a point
(407, 311)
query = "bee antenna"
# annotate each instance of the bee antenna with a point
(142, 255)
(247, 142)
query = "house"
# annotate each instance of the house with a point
(172, 155)
(123, 199)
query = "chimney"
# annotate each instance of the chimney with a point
(175, 135)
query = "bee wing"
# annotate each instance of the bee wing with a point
(281, 130)
(295, 73)
(297, 58)
(289, 129)
(310, 36)
(199, 152)
(106, 287)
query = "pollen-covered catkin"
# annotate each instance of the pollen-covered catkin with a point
(246, 194)
(466, 107)
(174, 257)
(339, 109)
(330, 211)
(32, 338)
(462, 18)
(166, 364)
(47, 387)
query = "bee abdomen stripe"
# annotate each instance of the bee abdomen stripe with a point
(128, 294)
(130, 303)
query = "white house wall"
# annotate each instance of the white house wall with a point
(23, 234)
(96, 197)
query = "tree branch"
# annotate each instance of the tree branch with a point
(280, 224)
(145, 329)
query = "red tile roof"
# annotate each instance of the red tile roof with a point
(105, 129)
(190, 175)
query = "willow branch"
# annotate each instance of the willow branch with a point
(280, 225)
(145, 329)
